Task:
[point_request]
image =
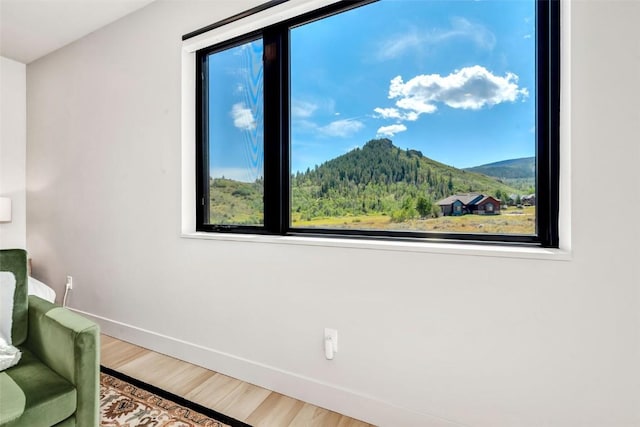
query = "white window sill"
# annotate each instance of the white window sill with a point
(469, 249)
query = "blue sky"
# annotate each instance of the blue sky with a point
(453, 79)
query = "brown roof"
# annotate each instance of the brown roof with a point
(485, 198)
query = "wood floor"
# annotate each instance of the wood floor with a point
(246, 402)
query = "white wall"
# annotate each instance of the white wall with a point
(519, 342)
(13, 148)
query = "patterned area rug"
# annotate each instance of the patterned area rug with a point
(127, 402)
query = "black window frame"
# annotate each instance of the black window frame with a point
(277, 215)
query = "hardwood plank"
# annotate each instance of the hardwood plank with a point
(312, 416)
(252, 404)
(170, 374)
(276, 410)
(243, 400)
(115, 353)
(213, 390)
(351, 422)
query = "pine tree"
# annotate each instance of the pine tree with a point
(424, 206)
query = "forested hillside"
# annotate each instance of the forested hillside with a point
(377, 179)
(518, 173)
(381, 178)
(513, 168)
(235, 202)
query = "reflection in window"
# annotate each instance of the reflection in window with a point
(234, 102)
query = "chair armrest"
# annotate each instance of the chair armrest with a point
(69, 344)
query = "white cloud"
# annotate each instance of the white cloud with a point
(302, 109)
(388, 113)
(413, 39)
(242, 117)
(479, 34)
(399, 44)
(394, 113)
(470, 88)
(391, 130)
(342, 128)
(305, 125)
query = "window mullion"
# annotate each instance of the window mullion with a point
(276, 161)
(548, 117)
(202, 147)
(285, 142)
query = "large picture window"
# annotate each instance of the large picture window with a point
(386, 119)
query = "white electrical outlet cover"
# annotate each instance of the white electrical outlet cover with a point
(333, 334)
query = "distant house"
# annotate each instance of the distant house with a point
(470, 203)
(488, 205)
(529, 200)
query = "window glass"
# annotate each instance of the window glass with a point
(386, 119)
(404, 113)
(235, 140)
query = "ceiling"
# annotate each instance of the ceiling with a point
(30, 29)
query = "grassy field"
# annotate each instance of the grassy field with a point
(510, 221)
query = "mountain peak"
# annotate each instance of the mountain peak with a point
(379, 143)
(508, 169)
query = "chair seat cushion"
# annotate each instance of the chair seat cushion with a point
(33, 395)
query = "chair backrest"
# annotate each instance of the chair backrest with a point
(15, 261)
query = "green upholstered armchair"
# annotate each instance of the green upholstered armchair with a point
(56, 381)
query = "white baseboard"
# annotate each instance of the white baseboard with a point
(316, 392)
